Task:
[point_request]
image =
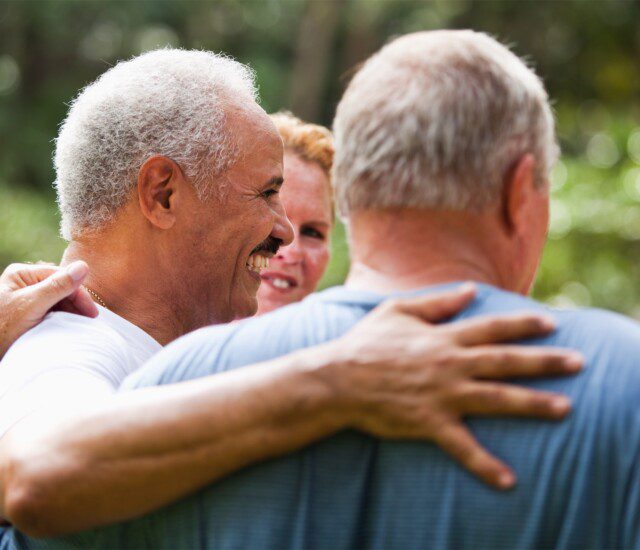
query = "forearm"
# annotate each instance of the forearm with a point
(149, 447)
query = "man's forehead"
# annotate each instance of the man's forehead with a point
(259, 145)
(253, 130)
(247, 114)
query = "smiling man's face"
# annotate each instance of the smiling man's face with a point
(239, 228)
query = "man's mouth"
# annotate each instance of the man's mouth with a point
(259, 257)
(257, 261)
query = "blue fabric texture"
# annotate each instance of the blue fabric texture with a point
(579, 480)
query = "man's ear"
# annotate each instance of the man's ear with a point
(519, 184)
(159, 180)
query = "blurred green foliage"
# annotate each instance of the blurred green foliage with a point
(588, 53)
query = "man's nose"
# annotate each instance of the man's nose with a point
(283, 229)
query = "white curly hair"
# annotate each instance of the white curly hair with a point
(167, 102)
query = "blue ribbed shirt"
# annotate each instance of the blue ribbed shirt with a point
(578, 480)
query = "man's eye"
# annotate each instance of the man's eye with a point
(313, 233)
(269, 193)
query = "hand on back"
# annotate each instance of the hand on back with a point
(406, 378)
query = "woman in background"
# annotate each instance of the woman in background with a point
(29, 291)
(307, 195)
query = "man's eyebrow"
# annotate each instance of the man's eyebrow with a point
(275, 181)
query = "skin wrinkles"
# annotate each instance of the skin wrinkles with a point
(395, 250)
(159, 264)
(306, 197)
(252, 213)
(166, 233)
(255, 212)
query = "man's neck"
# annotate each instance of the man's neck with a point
(125, 289)
(401, 251)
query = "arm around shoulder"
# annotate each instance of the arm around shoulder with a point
(394, 375)
(139, 450)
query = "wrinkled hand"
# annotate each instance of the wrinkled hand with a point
(28, 292)
(407, 379)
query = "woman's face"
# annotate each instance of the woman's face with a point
(296, 270)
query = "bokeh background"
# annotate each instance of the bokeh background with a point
(303, 51)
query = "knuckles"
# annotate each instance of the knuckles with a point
(59, 284)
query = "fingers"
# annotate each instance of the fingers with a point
(61, 284)
(17, 276)
(500, 328)
(79, 303)
(83, 303)
(67, 306)
(438, 306)
(495, 399)
(498, 362)
(458, 442)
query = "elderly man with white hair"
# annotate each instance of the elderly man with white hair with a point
(168, 175)
(444, 144)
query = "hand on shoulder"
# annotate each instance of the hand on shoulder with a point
(402, 375)
(28, 292)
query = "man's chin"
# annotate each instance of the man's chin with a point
(247, 309)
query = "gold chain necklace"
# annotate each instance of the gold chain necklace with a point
(96, 297)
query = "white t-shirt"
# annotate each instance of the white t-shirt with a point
(69, 359)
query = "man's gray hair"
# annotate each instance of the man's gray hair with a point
(165, 102)
(435, 120)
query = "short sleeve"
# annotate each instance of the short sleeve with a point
(60, 362)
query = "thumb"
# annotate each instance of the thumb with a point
(439, 306)
(56, 287)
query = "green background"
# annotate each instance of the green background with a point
(588, 53)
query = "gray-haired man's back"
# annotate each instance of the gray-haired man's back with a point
(579, 481)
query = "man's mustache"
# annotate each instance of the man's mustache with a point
(270, 244)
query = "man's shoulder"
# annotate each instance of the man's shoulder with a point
(65, 340)
(607, 339)
(601, 322)
(328, 314)
(66, 359)
(314, 320)
(61, 330)
(317, 319)
(220, 348)
(610, 344)
(581, 327)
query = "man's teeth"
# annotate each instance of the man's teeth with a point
(280, 283)
(256, 262)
